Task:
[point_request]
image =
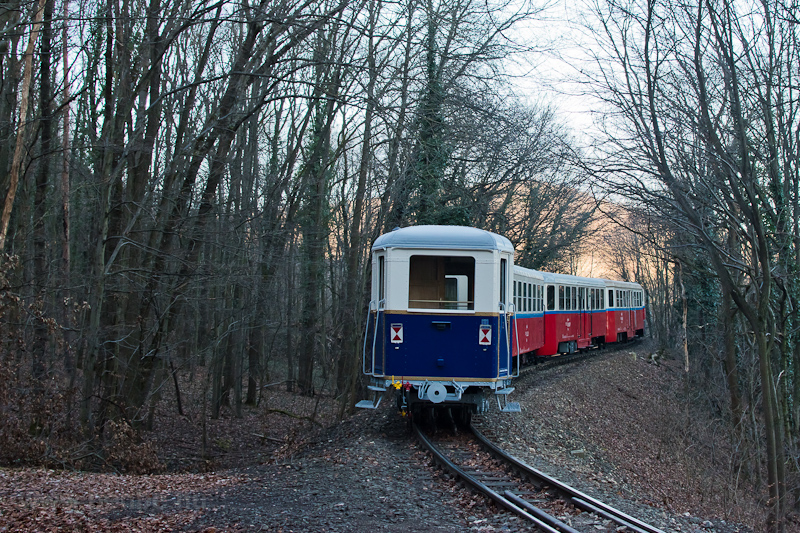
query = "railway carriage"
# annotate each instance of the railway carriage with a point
(625, 312)
(440, 316)
(528, 332)
(451, 318)
(574, 318)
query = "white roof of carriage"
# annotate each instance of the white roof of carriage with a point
(622, 284)
(567, 279)
(443, 238)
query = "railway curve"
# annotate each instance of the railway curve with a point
(508, 481)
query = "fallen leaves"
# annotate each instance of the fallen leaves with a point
(51, 500)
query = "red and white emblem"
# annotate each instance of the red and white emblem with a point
(485, 335)
(396, 333)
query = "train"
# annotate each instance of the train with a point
(452, 319)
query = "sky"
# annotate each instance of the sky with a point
(552, 73)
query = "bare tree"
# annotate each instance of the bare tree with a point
(222, 169)
(696, 138)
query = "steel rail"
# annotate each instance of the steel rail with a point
(578, 498)
(501, 500)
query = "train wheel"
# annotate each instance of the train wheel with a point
(415, 415)
(448, 419)
(428, 418)
(464, 417)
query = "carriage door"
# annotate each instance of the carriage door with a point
(631, 321)
(504, 323)
(374, 353)
(581, 311)
(379, 358)
(589, 314)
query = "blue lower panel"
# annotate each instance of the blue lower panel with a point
(441, 346)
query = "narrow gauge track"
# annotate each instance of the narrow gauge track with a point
(508, 481)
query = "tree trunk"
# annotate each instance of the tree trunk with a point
(19, 147)
(255, 344)
(347, 374)
(40, 269)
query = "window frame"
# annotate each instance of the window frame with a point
(428, 275)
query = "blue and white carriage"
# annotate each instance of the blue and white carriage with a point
(439, 329)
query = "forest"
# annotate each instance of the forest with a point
(190, 190)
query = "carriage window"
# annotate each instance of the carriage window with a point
(574, 298)
(381, 278)
(436, 282)
(541, 298)
(529, 297)
(503, 276)
(611, 298)
(551, 297)
(602, 298)
(581, 298)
